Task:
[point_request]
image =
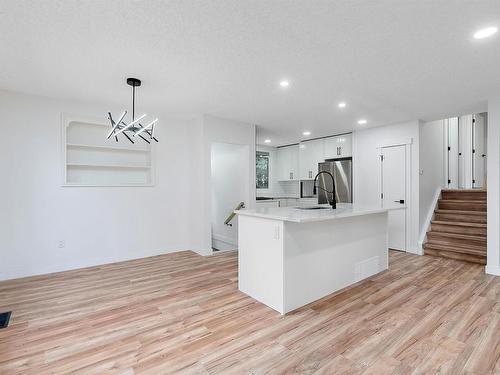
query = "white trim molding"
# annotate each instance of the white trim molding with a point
(430, 214)
(399, 142)
(492, 270)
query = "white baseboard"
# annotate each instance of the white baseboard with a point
(493, 270)
(23, 271)
(223, 243)
(417, 251)
(202, 252)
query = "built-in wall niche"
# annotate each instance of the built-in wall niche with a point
(90, 159)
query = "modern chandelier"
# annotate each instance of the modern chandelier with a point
(134, 128)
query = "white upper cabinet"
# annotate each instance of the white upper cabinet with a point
(287, 163)
(338, 147)
(311, 153)
(300, 162)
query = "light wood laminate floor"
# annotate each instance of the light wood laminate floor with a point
(182, 313)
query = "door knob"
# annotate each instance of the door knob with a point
(402, 201)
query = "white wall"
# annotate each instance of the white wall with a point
(493, 172)
(431, 164)
(366, 169)
(98, 225)
(229, 186)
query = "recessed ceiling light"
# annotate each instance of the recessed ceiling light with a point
(284, 83)
(485, 33)
(267, 141)
(362, 122)
(342, 105)
(307, 133)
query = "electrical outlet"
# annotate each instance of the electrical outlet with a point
(62, 244)
(276, 232)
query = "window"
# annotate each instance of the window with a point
(262, 170)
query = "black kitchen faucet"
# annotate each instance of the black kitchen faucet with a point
(332, 202)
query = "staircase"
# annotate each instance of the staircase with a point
(458, 227)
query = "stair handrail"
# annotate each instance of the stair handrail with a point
(233, 214)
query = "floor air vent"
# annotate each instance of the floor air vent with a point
(367, 268)
(4, 319)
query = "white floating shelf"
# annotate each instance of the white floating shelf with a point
(89, 159)
(107, 165)
(117, 148)
(117, 185)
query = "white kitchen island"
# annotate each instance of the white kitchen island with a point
(289, 257)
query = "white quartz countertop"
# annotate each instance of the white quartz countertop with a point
(297, 215)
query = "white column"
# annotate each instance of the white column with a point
(493, 174)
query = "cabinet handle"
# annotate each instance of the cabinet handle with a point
(291, 175)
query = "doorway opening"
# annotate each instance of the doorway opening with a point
(465, 151)
(229, 182)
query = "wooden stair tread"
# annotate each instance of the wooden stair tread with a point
(472, 201)
(458, 245)
(473, 250)
(459, 223)
(464, 191)
(459, 212)
(458, 236)
(471, 258)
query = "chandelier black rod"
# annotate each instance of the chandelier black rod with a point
(133, 102)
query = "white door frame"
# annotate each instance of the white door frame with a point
(478, 152)
(451, 156)
(408, 210)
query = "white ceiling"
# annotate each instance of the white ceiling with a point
(391, 61)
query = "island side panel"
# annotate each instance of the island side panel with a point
(321, 258)
(260, 260)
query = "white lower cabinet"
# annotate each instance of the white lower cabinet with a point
(288, 202)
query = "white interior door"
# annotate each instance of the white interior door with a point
(479, 152)
(393, 186)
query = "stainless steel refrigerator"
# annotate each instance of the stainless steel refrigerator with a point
(341, 170)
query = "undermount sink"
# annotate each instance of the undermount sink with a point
(313, 208)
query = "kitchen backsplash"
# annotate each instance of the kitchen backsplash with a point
(281, 189)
